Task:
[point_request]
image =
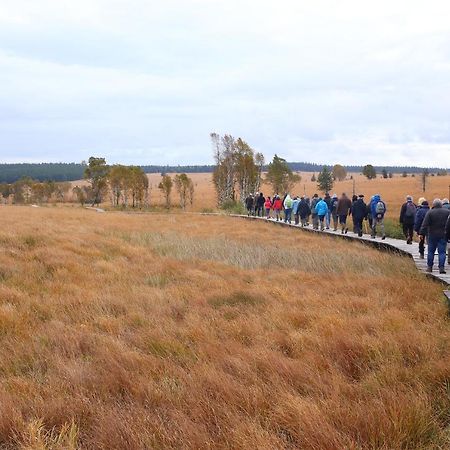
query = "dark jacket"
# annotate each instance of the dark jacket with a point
(327, 199)
(260, 200)
(447, 229)
(359, 209)
(404, 218)
(435, 223)
(303, 209)
(420, 215)
(344, 206)
(249, 202)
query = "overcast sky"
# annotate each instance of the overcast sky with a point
(146, 81)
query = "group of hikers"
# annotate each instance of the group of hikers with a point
(432, 224)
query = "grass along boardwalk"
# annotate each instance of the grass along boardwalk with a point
(388, 244)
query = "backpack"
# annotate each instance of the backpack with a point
(410, 212)
(289, 203)
(380, 208)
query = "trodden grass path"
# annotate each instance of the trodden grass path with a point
(389, 244)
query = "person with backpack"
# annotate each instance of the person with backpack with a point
(343, 209)
(287, 204)
(359, 213)
(422, 210)
(377, 210)
(315, 219)
(304, 211)
(333, 211)
(267, 207)
(407, 217)
(435, 226)
(277, 206)
(295, 204)
(321, 211)
(249, 204)
(260, 200)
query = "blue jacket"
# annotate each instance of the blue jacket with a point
(321, 208)
(420, 215)
(295, 204)
(373, 205)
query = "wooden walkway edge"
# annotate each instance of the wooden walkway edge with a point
(389, 244)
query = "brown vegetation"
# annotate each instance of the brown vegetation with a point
(180, 331)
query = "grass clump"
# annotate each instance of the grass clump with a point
(236, 299)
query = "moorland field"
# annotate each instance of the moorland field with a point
(140, 331)
(393, 190)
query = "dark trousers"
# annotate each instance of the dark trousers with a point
(422, 245)
(408, 230)
(358, 225)
(259, 211)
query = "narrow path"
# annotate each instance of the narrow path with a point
(389, 244)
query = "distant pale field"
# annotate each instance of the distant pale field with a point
(181, 331)
(393, 190)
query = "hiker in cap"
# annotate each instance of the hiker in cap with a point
(435, 227)
(407, 218)
(359, 213)
(422, 210)
(249, 204)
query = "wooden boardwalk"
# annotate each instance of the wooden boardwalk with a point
(389, 244)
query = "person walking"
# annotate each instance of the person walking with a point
(321, 211)
(287, 204)
(420, 215)
(249, 204)
(267, 207)
(327, 199)
(315, 220)
(359, 213)
(295, 204)
(435, 226)
(277, 206)
(378, 210)
(343, 209)
(445, 203)
(260, 200)
(304, 211)
(354, 200)
(333, 211)
(407, 218)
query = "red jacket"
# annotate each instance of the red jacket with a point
(277, 204)
(268, 204)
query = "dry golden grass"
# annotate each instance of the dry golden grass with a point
(180, 331)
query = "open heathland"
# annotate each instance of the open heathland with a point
(137, 331)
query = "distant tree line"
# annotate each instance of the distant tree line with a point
(9, 173)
